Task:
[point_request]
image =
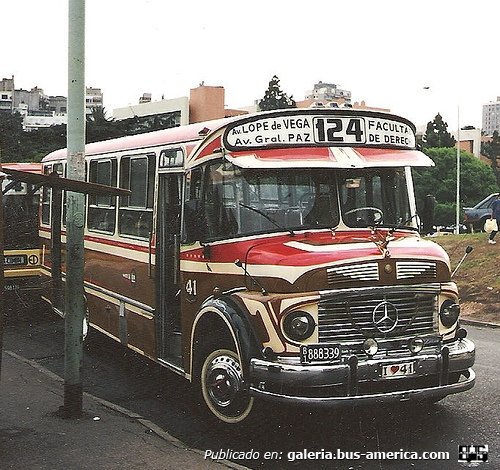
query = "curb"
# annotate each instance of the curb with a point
(479, 323)
(130, 414)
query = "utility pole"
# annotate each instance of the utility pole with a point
(74, 301)
(457, 208)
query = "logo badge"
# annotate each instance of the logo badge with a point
(385, 317)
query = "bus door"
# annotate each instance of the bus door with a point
(167, 268)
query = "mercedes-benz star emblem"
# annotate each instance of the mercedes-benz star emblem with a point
(385, 317)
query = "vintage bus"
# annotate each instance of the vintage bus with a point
(21, 243)
(273, 256)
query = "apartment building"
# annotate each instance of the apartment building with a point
(491, 117)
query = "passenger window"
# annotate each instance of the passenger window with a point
(102, 208)
(136, 211)
(194, 223)
(46, 192)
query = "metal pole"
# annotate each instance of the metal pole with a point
(457, 219)
(55, 250)
(1, 270)
(74, 303)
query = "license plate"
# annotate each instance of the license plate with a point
(14, 260)
(319, 353)
(398, 370)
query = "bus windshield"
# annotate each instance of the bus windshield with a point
(224, 200)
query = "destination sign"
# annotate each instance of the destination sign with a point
(321, 130)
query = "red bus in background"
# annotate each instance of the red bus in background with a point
(273, 256)
(21, 243)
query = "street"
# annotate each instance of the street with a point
(281, 437)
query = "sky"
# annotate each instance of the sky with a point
(415, 57)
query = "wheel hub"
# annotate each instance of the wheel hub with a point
(224, 380)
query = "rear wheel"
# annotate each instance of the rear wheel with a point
(222, 388)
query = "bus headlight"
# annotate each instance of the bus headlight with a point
(449, 313)
(299, 325)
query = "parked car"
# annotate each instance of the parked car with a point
(476, 216)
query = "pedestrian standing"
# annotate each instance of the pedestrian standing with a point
(495, 214)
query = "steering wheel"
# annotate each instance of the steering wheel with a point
(378, 212)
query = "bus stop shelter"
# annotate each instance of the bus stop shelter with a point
(57, 184)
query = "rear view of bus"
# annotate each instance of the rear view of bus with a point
(21, 243)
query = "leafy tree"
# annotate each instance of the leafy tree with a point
(13, 144)
(476, 179)
(491, 150)
(437, 135)
(274, 98)
(99, 127)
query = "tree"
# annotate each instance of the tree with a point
(476, 179)
(13, 144)
(274, 98)
(99, 127)
(437, 135)
(491, 150)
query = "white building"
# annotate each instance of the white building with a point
(179, 106)
(470, 140)
(327, 92)
(491, 117)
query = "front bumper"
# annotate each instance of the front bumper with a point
(358, 381)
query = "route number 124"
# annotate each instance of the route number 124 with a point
(339, 130)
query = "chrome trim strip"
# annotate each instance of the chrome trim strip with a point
(406, 395)
(431, 288)
(119, 297)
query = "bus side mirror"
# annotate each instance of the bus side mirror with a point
(428, 214)
(195, 227)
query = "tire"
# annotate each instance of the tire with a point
(221, 386)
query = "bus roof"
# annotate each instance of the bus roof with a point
(188, 133)
(291, 138)
(24, 166)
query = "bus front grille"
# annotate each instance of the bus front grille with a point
(356, 316)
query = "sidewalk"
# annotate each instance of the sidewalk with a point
(107, 437)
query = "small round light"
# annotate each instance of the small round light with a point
(299, 325)
(370, 346)
(416, 345)
(461, 333)
(449, 313)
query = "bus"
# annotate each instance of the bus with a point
(272, 256)
(21, 244)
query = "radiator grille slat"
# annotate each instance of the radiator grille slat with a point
(351, 317)
(415, 269)
(358, 272)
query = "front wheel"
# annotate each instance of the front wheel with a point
(221, 383)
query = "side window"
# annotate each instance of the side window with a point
(46, 198)
(194, 225)
(219, 203)
(102, 209)
(47, 194)
(135, 216)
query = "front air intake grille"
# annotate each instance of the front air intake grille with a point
(415, 270)
(358, 272)
(358, 314)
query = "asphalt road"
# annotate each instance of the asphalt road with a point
(280, 437)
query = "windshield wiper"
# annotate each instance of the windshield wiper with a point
(263, 214)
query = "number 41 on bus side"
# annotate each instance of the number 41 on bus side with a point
(191, 287)
(340, 130)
